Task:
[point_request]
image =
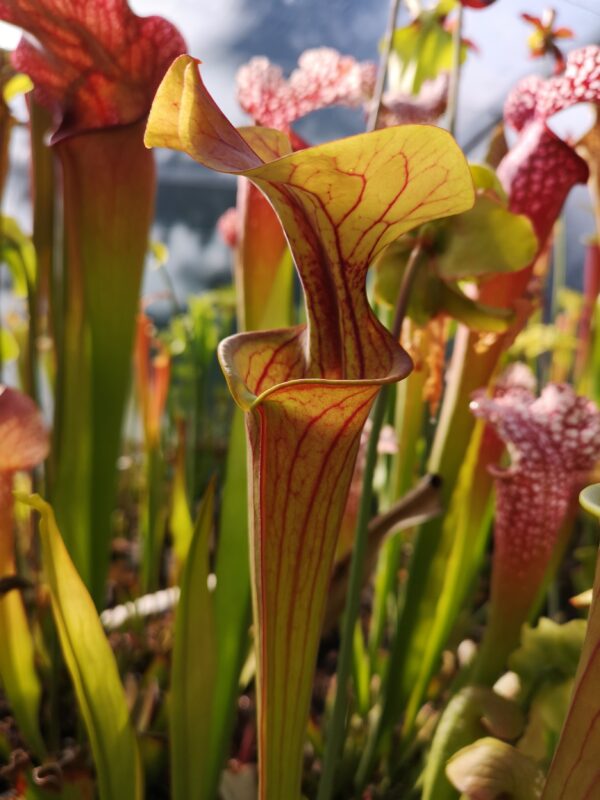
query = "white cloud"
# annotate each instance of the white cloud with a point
(9, 36)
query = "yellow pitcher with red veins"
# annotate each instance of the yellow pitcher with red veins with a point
(307, 390)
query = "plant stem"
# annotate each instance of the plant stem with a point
(178, 307)
(559, 275)
(455, 72)
(408, 422)
(405, 289)
(32, 335)
(386, 49)
(337, 726)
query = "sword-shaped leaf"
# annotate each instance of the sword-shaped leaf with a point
(92, 667)
(194, 665)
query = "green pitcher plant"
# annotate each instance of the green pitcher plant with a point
(99, 97)
(307, 390)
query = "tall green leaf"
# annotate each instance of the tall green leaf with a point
(106, 227)
(467, 517)
(232, 595)
(18, 253)
(17, 668)
(194, 667)
(92, 667)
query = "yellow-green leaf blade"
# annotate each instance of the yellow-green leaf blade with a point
(194, 668)
(17, 668)
(9, 346)
(92, 667)
(487, 239)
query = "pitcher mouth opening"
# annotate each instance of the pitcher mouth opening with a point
(283, 354)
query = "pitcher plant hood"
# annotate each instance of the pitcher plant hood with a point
(94, 64)
(307, 390)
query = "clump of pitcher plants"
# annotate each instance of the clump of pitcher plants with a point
(316, 534)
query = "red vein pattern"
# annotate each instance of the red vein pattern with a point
(340, 204)
(95, 64)
(308, 390)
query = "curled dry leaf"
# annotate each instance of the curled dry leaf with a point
(493, 770)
